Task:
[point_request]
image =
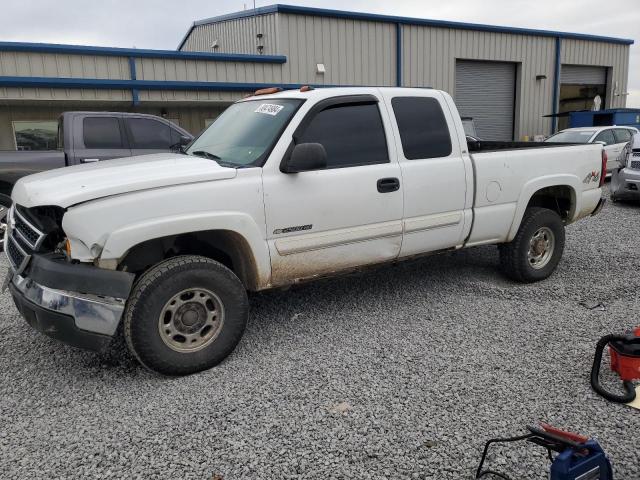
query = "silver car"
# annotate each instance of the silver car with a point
(625, 180)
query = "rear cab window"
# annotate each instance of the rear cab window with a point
(423, 128)
(623, 135)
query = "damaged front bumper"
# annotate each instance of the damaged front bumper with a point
(77, 304)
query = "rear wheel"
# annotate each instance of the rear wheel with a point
(537, 248)
(185, 315)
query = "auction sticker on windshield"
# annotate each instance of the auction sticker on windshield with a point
(269, 109)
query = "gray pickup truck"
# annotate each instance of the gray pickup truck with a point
(87, 137)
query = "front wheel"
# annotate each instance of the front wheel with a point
(536, 250)
(185, 315)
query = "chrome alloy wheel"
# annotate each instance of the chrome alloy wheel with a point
(541, 248)
(191, 320)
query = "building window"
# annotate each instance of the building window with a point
(36, 135)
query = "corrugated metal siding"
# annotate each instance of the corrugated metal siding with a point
(207, 71)
(613, 56)
(64, 95)
(354, 52)
(235, 36)
(27, 64)
(583, 75)
(485, 91)
(430, 54)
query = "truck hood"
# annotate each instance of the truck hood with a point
(72, 185)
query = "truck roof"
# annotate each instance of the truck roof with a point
(328, 92)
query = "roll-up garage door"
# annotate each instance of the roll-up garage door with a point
(583, 75)
(485, 91)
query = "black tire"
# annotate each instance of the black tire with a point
(149, 299)
(514, 256)
(5, 204)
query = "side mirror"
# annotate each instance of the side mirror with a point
(305, 157)
(180, 144)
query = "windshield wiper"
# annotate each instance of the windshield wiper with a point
(205, 154)
(212, 156)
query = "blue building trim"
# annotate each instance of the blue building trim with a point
(323, 12)
(55, 82)
(556, 84)
(398, 54)
(134, 92)
(137, 53)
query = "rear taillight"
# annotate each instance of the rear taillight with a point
(603, 169)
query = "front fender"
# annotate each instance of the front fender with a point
(530, 188)
(121, 240)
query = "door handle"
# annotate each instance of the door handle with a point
(386, 185)
(89, 160)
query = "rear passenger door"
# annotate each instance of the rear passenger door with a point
(433, 172)
(147, 135)
(98, 137)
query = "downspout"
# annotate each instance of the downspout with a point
(398, 54)
(134, 91)
(556, 86)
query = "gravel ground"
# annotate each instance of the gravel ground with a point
(398, 373)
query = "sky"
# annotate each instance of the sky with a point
(161, 24)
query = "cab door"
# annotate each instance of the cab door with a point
(98, 137)
(347, 214)
(437, 178)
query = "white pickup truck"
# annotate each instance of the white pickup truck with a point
(282, 188)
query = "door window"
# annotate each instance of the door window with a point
(606, 137)
(423, 128)
(102, 132)
(622, 135)
(352, 135)
(148, 133)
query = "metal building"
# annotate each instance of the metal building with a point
(507, 79)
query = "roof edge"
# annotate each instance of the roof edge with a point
(324, 12)
(137, 52)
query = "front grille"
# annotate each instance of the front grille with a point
(24, 229)
(635, 164)
(16, 255)
(22, 240)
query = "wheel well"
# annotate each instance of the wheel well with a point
(224, 246)
(560, 198)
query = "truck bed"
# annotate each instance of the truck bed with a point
(17, 164)
(494, 145)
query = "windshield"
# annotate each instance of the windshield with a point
(245, 133)
(571, 136)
